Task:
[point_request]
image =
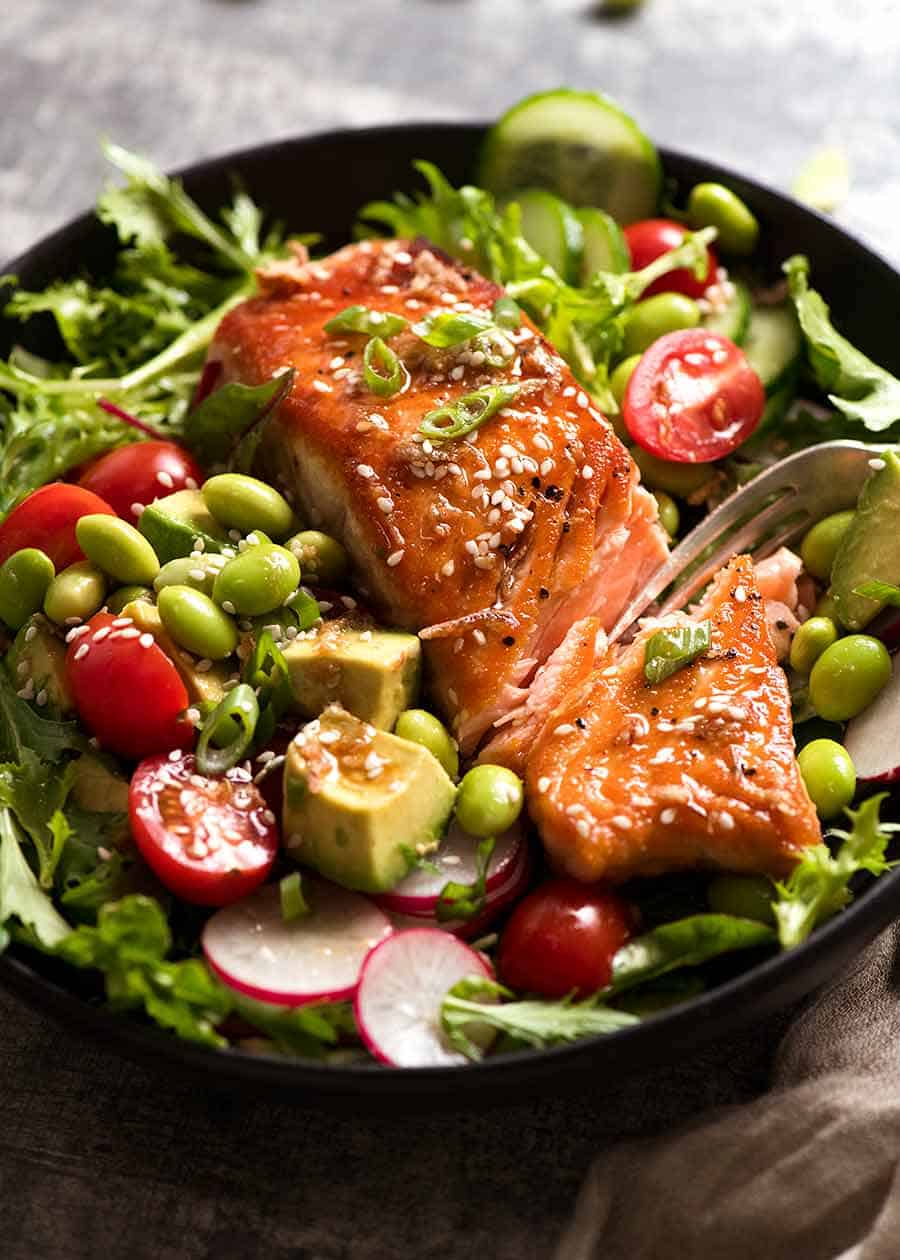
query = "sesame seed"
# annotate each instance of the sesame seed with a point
(197, 575)
(71, 635)
(102, 633)
(203, 667)
(193, 716)
(726, 821)
(587, 472)
(622, 821)
(740, 594)
(583, 827)
(543, 783)
(402, 256)
(483, 474)
(565, 728)
(447, 569)
(32, 631)
(877, 464)
(471, 547)
(27, 692)
(131, 633)
(336, 362)
(41, 697)
(322, 386)
(547, 466)
(395, 557)
(484, 562)
(146, 640)
(190, 483)
(582, 399)
(137, 508)
(668, 816)
(199, 545)
(72, 621)
(385, 504)
(365, 470)
(175, 754)
(569, 392)
(80, 652)
(165, 479)
(480, 637)
(228, 607)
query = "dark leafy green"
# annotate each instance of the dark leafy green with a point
(36, 791)
(223, 422)
(22, 900)
(685, 943)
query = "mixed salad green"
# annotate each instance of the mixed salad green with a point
(144, 569)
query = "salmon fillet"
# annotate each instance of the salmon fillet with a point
(492, 546)
(630, 778)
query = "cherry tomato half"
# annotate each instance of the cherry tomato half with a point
(126, 690)
(211, 841)
(47, 520)
(139, 473)
(561, 938)
(692, 397)
(648, 239)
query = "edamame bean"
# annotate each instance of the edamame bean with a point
(826, 607)
(618, 381)
(75, 594)
(669, 516)
(24, 578)
(655, 316)
(322, 558)
(117, 548)
(819, 546)
(714, 205)
(829, 776)
(257, 581)
(747, 896)
(196, 623)
(489, 800)
(126, 595)
(848, 676)
(246, 503)
(661, 474)
(185, 571)
(424, 728)
(810, 641)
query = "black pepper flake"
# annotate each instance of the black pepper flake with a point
(730, 653)
(654, 712)
(543, 593)
(508, 640)
(749, 771)
(346, 290)
(781, 624)
(536, 482)
(566, 527)
(580, 723)
(553, 493)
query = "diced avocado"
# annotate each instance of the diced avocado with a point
(361, 805)
(202, 686)
(37, 659)
(97, 787)
(870, 549)
(173, 524)
(373, 673)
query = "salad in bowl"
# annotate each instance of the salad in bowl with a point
(319, 734)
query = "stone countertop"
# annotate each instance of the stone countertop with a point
(98, 1156)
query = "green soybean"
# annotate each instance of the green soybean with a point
(196, 623)
(75, 594)
(714, 205)
(126, 595)
(654, 316)
(618, 381)
(117, 548)
(421, 727)
(848, 676)
(24, 578)
(820, 544)
(661, 474)
(257, 581)
(829, 775)
(185, 571)
(826, 607)
(323, 559)
(810, 641)
(669, 516)
(246, 503)
(489, 800)
(747, 896)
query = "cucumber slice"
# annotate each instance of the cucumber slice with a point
(579, 145)
(553, 229)
(603, 247)
(773, 343)
(732, 320)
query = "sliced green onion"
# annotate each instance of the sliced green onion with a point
(464, 901)
(293, 904)
(507, 313)
(228, 731)
(362, 319)
(468, 414)
(305, 608)
(884, 592)
(671, 649)
(266, 672)
(451, 328)
(385, 374)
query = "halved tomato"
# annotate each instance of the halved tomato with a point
(47, 520)
(132, 476)
(693, 397)
(210, 840)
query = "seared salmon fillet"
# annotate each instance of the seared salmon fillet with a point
(491, 545)
(630, 778)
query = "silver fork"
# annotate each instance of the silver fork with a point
(769, 512)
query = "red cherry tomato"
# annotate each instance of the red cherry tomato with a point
(47, 520)
(211, 841)
(561, 938)
(139, 473)
(126, 690)
(648, 239)
(692, 397)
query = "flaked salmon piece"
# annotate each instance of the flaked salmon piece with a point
(492, 546)
(777, 578)
(630, 778)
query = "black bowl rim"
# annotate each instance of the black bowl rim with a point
(711, 1014)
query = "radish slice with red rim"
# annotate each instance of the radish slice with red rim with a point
(398, 1003)
(317, 958)
(873, 738)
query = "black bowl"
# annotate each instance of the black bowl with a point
(317, 183)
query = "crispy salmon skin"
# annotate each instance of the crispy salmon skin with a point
(631, 779)
(492, 545)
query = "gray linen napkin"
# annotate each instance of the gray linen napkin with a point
(809, 1171)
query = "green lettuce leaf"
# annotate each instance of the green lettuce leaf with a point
(24, 730)
(685, 943)
(310, 1031)
(36, 792)
(22, 900)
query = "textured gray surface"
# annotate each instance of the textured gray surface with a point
(97, 1156)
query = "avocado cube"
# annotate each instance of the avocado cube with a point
(96, 785)
(870, 549)
(173, 525)
(361, 805)
(372, 673)
(37, 661)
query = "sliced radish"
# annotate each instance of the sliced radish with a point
(314, 959)
(455, 860)
(873, 738)
(398, 1002)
